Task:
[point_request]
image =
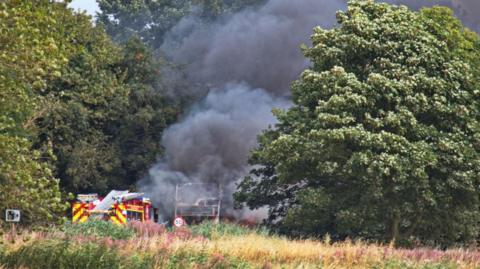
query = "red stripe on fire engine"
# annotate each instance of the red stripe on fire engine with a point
(82, 206)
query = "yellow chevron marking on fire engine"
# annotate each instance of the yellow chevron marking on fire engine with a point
(78, 211)
(121, 218)
(76, 207)
(84, 218)
(119, 213)
(115, 220)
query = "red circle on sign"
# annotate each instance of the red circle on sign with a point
(178, 222)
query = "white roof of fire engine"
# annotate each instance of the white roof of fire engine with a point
(114, 197)
(109, 200)
(128, 196)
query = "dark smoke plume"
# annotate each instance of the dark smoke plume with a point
(212, 143)
(249, 59)
(246, 63)
(260, 47)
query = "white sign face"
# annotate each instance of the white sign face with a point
(12, 215)
(178, 222)
(87, 198)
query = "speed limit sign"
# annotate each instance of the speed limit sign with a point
(178, 222)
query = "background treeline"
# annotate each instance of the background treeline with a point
(382, 141)
(74, 106)
(82, 110)
(151, 20)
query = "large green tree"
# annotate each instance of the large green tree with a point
(138, 131)
(383, 139)
(77, 111)
(29, 56)
(107, 112)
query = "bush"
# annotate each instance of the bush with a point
(185, 259)
(209, 229)
(2, 253)
(55, 254)
(99, 229)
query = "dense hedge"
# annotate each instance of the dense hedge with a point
(99, 229)
(211, 230)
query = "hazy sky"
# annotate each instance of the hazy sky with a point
(90, 6)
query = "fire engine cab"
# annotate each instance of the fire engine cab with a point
(118, 207)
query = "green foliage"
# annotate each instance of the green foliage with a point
(151, 20)
(463, 42)
(211, 230)
(81, 102)
(185, 259)
(26, 183)
(312, 217)
(98, 229)
(64, 254)
(382, 142)
(30, 55)
(138, 131)
(394, 264)
(104, 116)
(3, 253)
(73, 106)
(109, 116)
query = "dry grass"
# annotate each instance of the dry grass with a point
(278, 252)
(262, 251)
(281, 252)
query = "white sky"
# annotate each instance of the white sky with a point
(90, 6)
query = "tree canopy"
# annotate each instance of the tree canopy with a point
(106, 125)
(382, 141)
(29, 56)
(151, 20)
(77, 112)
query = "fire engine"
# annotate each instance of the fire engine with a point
(118, 207)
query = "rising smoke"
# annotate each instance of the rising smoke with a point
(260, 47)
(211, 144)
(246, 63)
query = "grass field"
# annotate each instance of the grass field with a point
(100, 245)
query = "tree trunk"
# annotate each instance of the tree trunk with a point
(412, 227)
(395, 227)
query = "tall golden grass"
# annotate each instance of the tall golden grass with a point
(263, 251)
(278, 252)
